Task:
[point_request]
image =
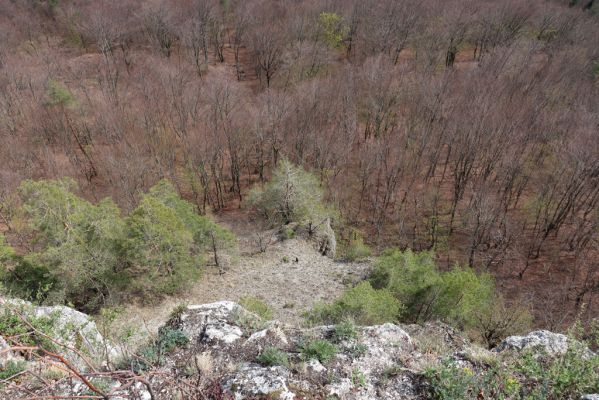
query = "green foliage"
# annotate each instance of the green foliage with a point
(159, 250)
(271, 356)
(427, 293)
(353, 247)
(257, 306)
(59, 95)
(26, 329)
(88, 255)
(292, 195)
(76, 243)
(153, 354)
(357, 350)
(169, 339)
(362, 304)
(207, 235)
(528, 376)
(345, 331)
(288, 233)
(358, 378)
(411, 277)
(596, 69)
(11, 369)
(332, 29)
(321, 350)
(20, 277)
(498, 321)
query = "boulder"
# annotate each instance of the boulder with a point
(254, 380)
(551, 343)
(213, 322)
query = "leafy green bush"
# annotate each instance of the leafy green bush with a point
(169, 339)
(158, 250)
(257, 306)
(321, 350)
(362, 304)
(271, 356)
(428, 293)
(492, 324)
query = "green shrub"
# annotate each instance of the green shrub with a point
(288, 233)
(11, 369)
(153, 354)
(412, 278)
(428, 293)
(596, 69)
(292, 195)
(84, 254)
(345, 331)
(321, 350)
(568, 376)
(492, 324)
(169, 339)
(257, 306)
(362, 304)
(357, 350)
(159, 250)
(271, 356)
(353, 247)
(358, 378)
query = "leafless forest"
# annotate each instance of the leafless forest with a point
(466, 126)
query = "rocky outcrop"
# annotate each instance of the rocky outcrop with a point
(224, 348)
(375, 364)
(551, 343)
(75, 334)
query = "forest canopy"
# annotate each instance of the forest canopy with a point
(463, 127)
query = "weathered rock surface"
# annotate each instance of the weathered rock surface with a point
(552, 343)
(224, 341)
(79, 339)
(212, 322)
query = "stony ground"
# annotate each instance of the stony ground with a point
(291, 276)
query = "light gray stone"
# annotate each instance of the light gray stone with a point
(552, 343)
(253, 380)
